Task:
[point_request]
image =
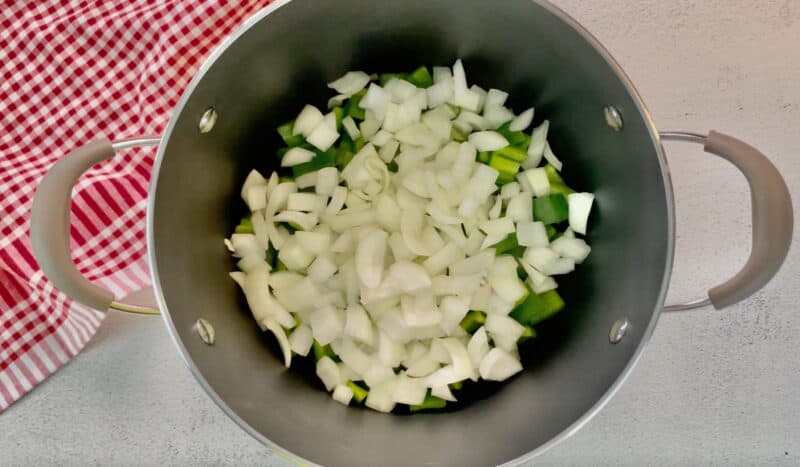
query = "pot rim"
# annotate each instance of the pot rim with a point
(578, 423)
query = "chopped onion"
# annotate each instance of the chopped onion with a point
(324, 134)
(253, 178)
(301, 340)
(408, 277)
(369, 258)
(443, 392)
(536, 146)
(327, 324)
(478, 346)
(575, 249)
(495, 116)
(328, 373)
(488, 140)
(351, 128)
(580, 204)
(532, 234)
(308, 119)
(296, 156)
(321, 269)
(495, 98)
(342, 394)
(257, 197)
(522, 121)
(453, 309)
(499, 365)
(551, 158)
(350, 83)
(409, 391)
(540, 258)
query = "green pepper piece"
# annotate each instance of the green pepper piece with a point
(511, 152)
(270, 255)
(527, 334)
(384, 78)
(551, 209)
(321, 159)
(538, 307)
(343, 157)
(506, 244)
(484, 157)
(359, 393)
(421, 77)
(472, 321)
(430, 403)
(245, 226)
(557, 185)
(552, 232)
(321, 351)
(338, 112)
(514, 138)
(457, 135)
(457, 386)
(508, 169)
(279, 266)
(352, 109)
(359, 144)
(285, 131)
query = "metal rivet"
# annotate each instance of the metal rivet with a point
(618, 330)
(207, 120)
(613, 117)
(205, 330)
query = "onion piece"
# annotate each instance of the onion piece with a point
(495, 116)
(307, 121)
(351, 355)
(540, 258)
(520, 208)
(580, 205)
(381, 396)
(377, 373)
(532, 234)
(495, 98)
(409, 391)
(488, 140)
(342, 394)
(497, 324)
(478, 346)
(321, 269)
(316, 243)
(324, 134)
(444, 257)
(574, 248)
(296, 156)
(370, 254)
(499, 365)
(280, 335)
(551, 158)
(453, 309)
(297, 219)
(327, 324)
(328, 373)
(351, 128)
(301, 340)
(522, 121)
(254, 178)
(537, 145)
(408, 277)
(443, 392)
(508, 288)
(307, 202)
(350, 83)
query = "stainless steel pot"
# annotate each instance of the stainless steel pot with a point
(281, 59)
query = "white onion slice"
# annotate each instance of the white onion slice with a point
(478, 346)
(327, 324)
(580, 205)
(499, 365)
(350, 83)
(342, 394)
(551, 157)
(296, 156)
(574, 248)
(536, 146)
(488, 140)
(301, 340)
(307, 120)
(370, 254)
(532, 234)
(522, 121)
(328, 373)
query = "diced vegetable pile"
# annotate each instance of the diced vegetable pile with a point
(410, 239)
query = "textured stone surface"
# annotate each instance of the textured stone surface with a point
(713, 388)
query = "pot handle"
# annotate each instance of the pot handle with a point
(50, 220)
(771, 205)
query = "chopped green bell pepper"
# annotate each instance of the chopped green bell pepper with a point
(457, 135)
(515, 138)
(430, 403)
(507, 244)
(508, 168)
(538, 307)
(528, 334)
(359, 393)
(245, 226)
(484, 157)
(420, 77)
(384, 78)
(321, 159)
(285, 131)
(511, 152)
(557, 185)
(472, 321)
(321, 351)
(352, 109)
(338, 112)
(551, 209)
(457, 386)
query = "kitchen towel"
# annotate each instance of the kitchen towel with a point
(72, 72)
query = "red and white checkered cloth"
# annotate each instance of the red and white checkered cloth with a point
(71, 72)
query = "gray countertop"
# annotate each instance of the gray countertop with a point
(713, 388)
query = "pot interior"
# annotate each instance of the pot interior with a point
(282, 62)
